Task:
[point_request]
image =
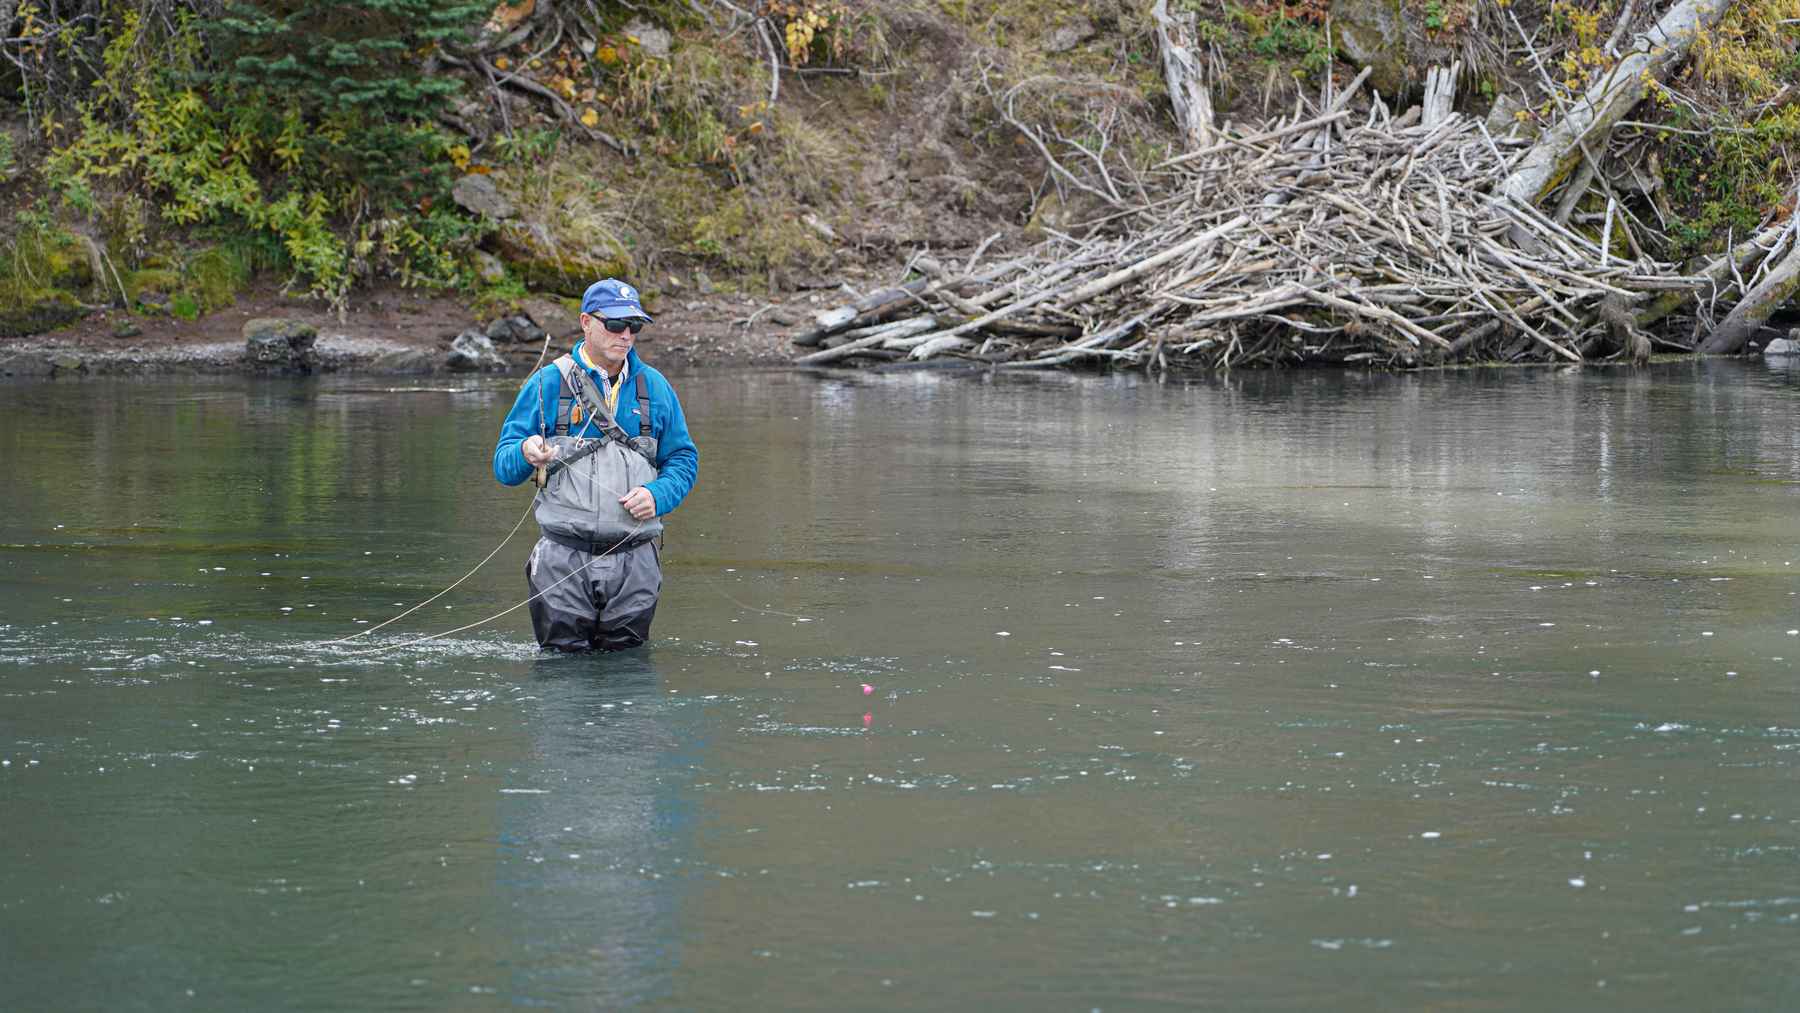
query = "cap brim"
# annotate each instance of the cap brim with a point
(620, 311)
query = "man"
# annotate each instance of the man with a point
(603, 436)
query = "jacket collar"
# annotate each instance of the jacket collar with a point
(632, 363)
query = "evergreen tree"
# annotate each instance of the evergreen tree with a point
(346, 83)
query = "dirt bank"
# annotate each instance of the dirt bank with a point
(397, 331)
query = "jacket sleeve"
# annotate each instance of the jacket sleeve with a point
(525, 420)
(677, 459)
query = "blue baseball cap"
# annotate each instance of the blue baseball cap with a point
(612, 299)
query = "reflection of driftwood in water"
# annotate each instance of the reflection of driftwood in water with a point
(1328, 235)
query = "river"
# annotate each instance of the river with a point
(1465, 689)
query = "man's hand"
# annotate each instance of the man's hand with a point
(537, 452)
(639, 504)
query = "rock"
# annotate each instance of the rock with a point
(783, 317)
(488, 267)
(471, 351)
(500, 330)
(1503, 118)
(405, 360)
(281, 344)
(1070, 35)
(653, 41)
(127, 329)
(1373, 33)
(704, 283)
(478, 195)
(46, 311)
(551, 316)
(24, 365)
(544, 262)
(1783, 348)
(514, 330)
(819, 225)
(508, 15)
(67, 362)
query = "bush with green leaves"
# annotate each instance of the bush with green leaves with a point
(309, 120)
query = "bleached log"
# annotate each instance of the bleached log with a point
(1745, 256)
(863, 311)
(877, 336)
(1752, 311)
(1654, 53)
(1186, 78)
(1440, 93)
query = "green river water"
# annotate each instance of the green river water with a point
(1466, 690)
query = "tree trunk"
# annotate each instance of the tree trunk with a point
(1780, 284)
(1185, 75)
(1653, 54)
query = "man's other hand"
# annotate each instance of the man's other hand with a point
(537, 452)
(639, 504)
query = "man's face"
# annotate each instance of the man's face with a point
(606, 346)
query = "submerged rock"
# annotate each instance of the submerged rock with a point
(404, 361)
(471, 351)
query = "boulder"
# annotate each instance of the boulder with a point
(477, 194)
(25, 364)
(471, 351)
(67, 362)
(280, 344)
(1070, 35)
(564, 265)
(43, 311)
(488, 267)
(652, 41)
(1783, 348)
(551, 316)
(514, 330)
(1373, 33)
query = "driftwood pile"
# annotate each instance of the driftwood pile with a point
(1331, 235)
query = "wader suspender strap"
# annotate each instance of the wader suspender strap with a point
(643, 393)
(572, 379)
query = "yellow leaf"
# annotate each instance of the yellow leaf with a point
(757, 127)
(501, 63)
(589, 118)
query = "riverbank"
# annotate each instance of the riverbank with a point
(395, 332)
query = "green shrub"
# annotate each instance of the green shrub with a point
(302, 120)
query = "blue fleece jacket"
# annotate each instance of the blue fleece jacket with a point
(677, 459)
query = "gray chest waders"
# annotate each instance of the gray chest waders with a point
(578, 492)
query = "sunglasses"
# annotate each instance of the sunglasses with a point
(618, 326)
